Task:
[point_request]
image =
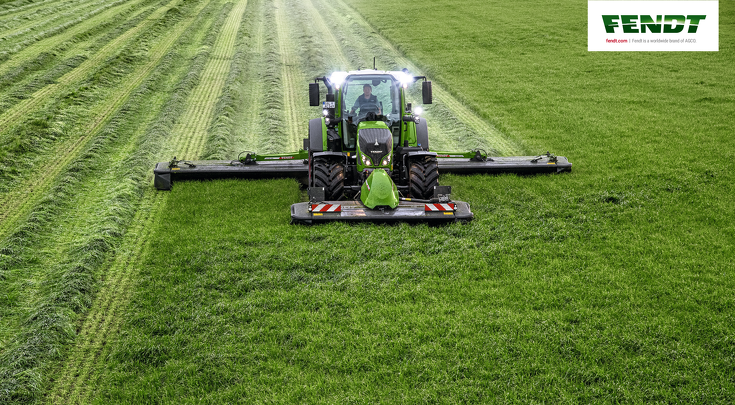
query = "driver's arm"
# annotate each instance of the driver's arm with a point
(356, 105)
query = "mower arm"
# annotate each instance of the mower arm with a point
(252, 165)
(477, 161)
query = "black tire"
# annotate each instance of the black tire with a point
(422, 177)
(329, 174)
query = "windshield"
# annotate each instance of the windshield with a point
(374, 93)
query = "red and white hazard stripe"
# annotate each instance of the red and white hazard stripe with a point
(439, 207)
(326, 208)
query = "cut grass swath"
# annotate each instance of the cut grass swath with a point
(66, 152)
(40, 23)
(101, 323)
(134, 171)
(7, 53)
(221, 141)
(60, 37)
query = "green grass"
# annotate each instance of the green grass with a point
(534, 300)
(610, 284)
(51, 267)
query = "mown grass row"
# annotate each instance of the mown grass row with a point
(43, 20)
(34, 75)
(37, 36)
(28, 143)
(9, 6)
(61, 40)
(273, 137)
(45, 67)
(13, 16)
(71, 285)
(89, 92)
(221, 143)
(16, 6)
(73, 374)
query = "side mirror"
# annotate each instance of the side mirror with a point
(426, 92)
(314, 94)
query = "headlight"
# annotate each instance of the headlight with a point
(366, 161)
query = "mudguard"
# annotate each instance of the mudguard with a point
(317, 135)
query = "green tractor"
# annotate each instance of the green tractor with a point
(367, 157)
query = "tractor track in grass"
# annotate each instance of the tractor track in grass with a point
(292, 80)
(18, 203)
(188, 137)
(104, 317)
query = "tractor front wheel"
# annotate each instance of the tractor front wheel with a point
(329, 174)
(423, 176)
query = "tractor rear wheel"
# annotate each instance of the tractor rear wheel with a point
(423, 176)
(329, 174)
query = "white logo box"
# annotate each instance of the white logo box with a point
(706, 37)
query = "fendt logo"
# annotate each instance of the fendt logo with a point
(652, 25)
(639, 24)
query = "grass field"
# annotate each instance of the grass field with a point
(610, 284)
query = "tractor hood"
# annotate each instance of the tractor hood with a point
(375, 142)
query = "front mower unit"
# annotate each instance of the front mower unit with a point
(354, 211)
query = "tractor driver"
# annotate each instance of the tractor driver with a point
(367, 102)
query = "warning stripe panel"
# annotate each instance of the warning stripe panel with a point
(326, 208)
(439, 207)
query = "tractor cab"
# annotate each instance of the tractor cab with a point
(359, 97)
(367, 96)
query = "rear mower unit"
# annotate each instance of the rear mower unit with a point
(367, 158)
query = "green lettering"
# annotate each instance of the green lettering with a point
(694, 22)
(610, 23)
(647, 23)
(670, 27)
(629, 23)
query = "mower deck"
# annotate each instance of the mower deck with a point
(513, 164)
(353, 211)
(220, 169)
(298, 169)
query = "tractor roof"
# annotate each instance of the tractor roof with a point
(339, 77)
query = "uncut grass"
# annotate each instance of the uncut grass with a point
(235, 304)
